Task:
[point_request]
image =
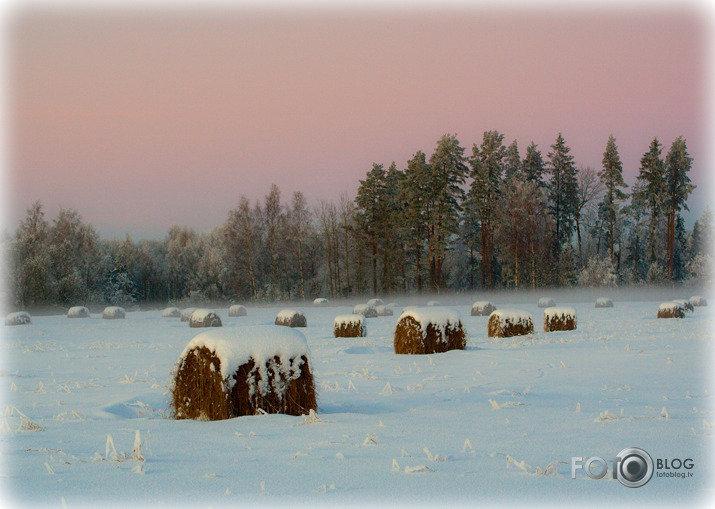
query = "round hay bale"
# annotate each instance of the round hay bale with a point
(171, 313)
(434, 303)
(365, 310)
(505, 323)
(320, 302)
(204, 318)
(349, 326)
(186, 314)
(113, 313)
(78, 312)
(237, 310)
(243, 371)
(424, 331)
(699, 301)
(604, 302)
(291, 318)
(687, 305)
(384, 311)
(559, 319)
(671, 310)
(482, 308)
(375, 302)
(546, 302)
(18, 318)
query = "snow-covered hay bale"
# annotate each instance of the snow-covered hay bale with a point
(699, 301)
(229, 373)
(561, 318)
(204, 318)
(18, 318)
(171, 313)
(504, 323)
(113, 313)
(186, 314)
(687, 305)
(291, 318)
(365, 310)
(384, 311)
(671, 310)
(237, 310)
(482, 308)
(78, 312)
(425, 331)
(434, 303)
(546, 302)
(375, 302)
(320, 302)
(349, 326)
(604, 302)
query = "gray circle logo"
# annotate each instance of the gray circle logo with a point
(635, 467)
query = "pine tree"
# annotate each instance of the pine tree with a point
(369, 202)
(563, 194)
(415, 195)
(533, 165)
(612, 178)
(651, 191)
(678, 188)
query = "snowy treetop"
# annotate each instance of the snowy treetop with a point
(348, 319)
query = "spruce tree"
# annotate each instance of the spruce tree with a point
(533, 165)
(651, 191)
(612, 178)
(512, 162)
(678, 188)
(563, 194)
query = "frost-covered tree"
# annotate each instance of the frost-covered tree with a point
(273, 217)
(702, 236)
(612, 179)
(533, 165)
(651, 191)
(678, 188)
(597, 273)
(512, 162)
(563, 193)
(30, 262)
(241, 236)
(589, 189)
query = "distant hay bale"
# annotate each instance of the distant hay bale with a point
(424, 331)
(243, 371)
(384, 311)
(349, 326)
(505, 323)
(546, 302)
(237, 310)
(78, 312)
(186, 314)
(291, 318)
(604, 302)
(365, 310)
(375, 302)
(18, 318)
(113, 313)
(699, 301)
(434, 303)
(320, 302)
(671, 310)
(687, 305)
(559, 319)
(482, 308)
(204, 318)
(171, 313)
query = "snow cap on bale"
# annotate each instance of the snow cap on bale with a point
(237, 310)
(204, 318)
(671, 310)
(434, 303)
(687, 305)
(504, 323)
(186, 314)
(229, 373)
(429, 330)
(384, 311)
(375, 302)
(604, 302)
(558, 319)
(546, 302)
(349, 326)
(365, 310)
(78, 312)
(113, 313)
(171, 313)
(482, 308)
(698, 300)
(18, 318)
(320, 302)
(291, 318)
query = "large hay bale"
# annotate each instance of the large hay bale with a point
(291, 318)
(546, 302)
(375, 302)
(365, 310)
(671, 310)
(604, 302)
(698, 301)
(482, 308)
(171, 313)
(320, 302)
(349, 326)
(113, 313)
(384, 311)
(505, 323)
(424, 331)
(186, 314)
(237, 310)
(18, 318)
(687, 305)
(558, 319)
(243, 371)
(78, 312)
(204, 318)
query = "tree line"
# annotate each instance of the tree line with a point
(450, 221)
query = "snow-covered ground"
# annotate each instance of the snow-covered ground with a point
(85, 418)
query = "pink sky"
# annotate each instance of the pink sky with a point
(141, 121)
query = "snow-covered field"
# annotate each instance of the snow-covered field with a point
(85, 418)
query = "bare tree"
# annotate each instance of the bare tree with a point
(590, 188)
